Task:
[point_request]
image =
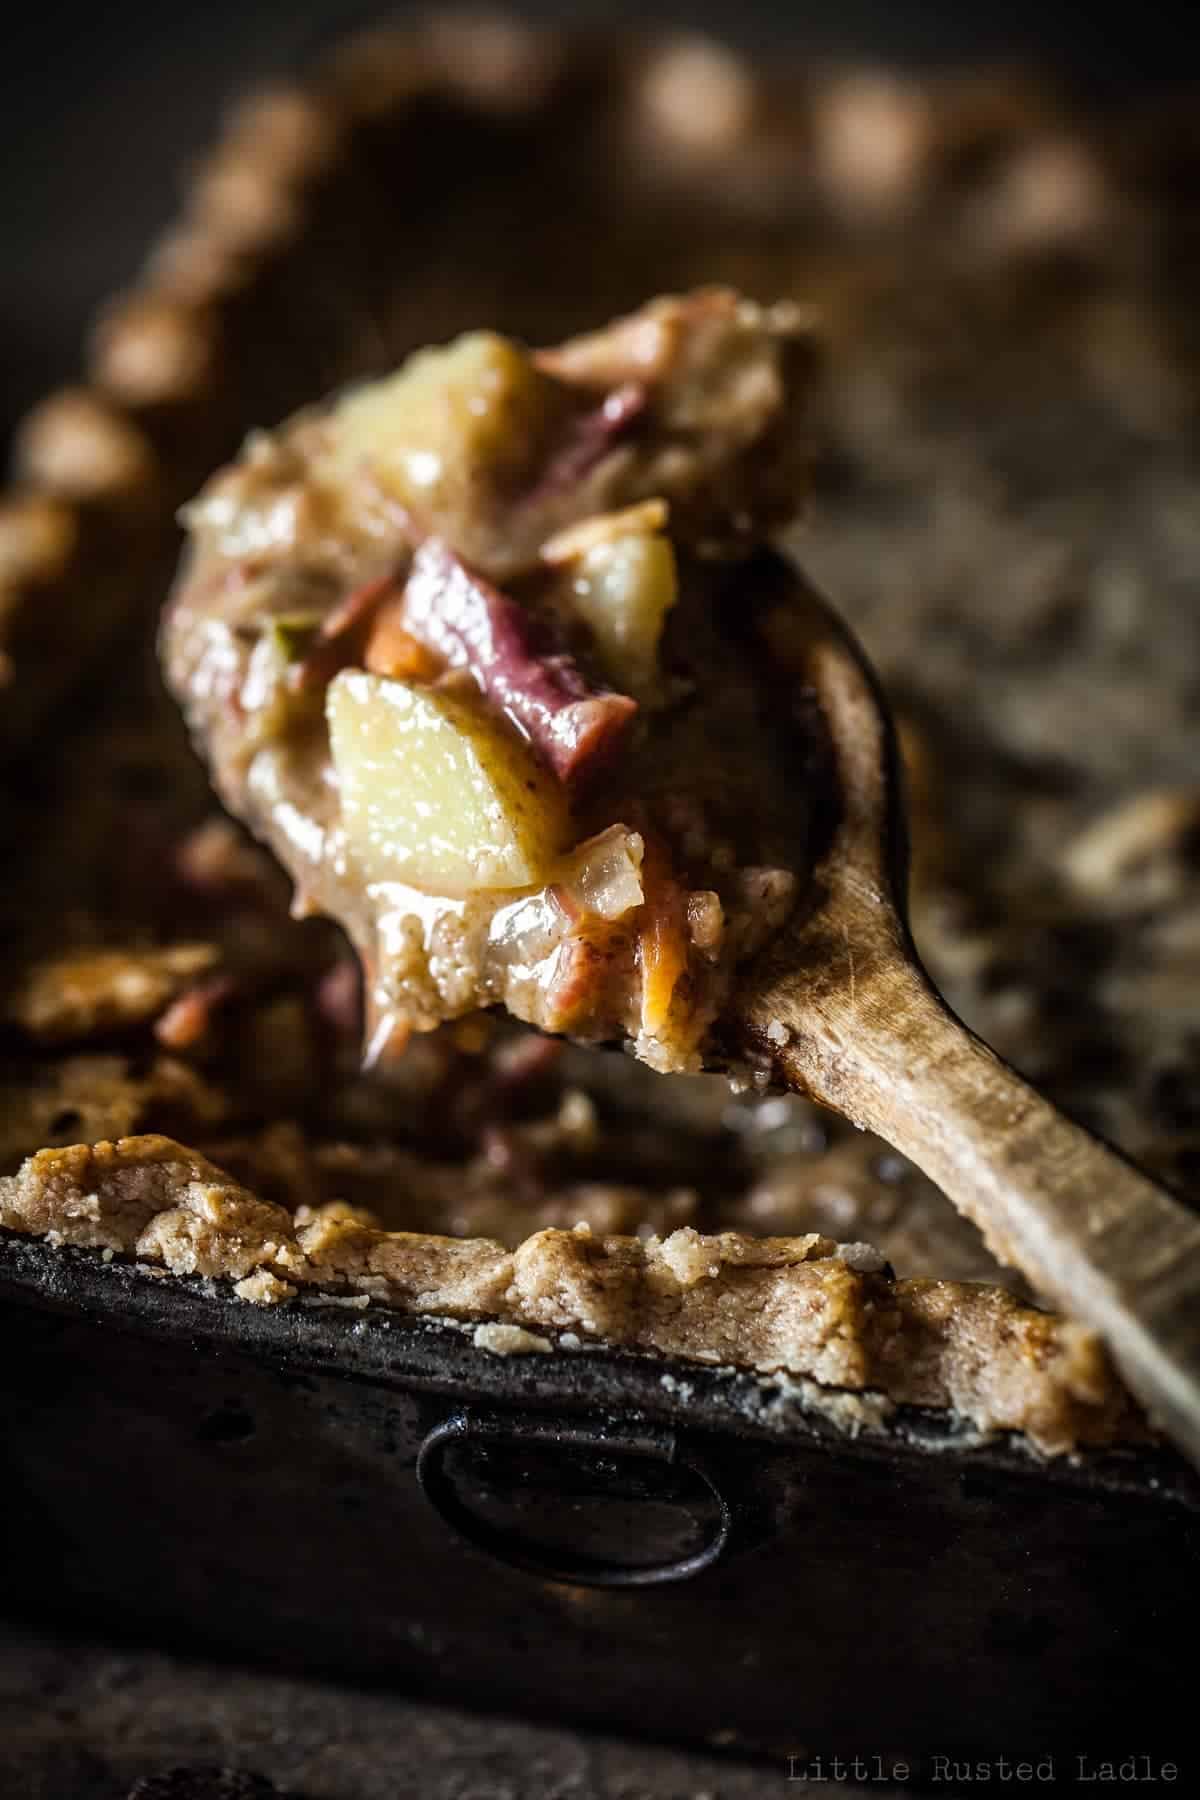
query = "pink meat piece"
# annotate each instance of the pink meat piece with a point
(512, 657)
(190, 1015)
(591, 437)
(339, 638)
(339, 998)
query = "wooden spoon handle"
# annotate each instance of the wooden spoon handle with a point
(1093, 1234)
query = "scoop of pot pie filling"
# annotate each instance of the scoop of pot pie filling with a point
(461, 646)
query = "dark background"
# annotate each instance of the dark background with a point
(103, 108)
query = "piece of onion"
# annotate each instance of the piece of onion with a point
(604, 875)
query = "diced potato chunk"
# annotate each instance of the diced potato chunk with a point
(623, 591)
(474, 409)
(437, 792)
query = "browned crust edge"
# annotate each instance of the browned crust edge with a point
(804, 1306)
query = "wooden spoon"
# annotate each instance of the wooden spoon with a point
(843, 1011)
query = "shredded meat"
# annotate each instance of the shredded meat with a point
(475, 627)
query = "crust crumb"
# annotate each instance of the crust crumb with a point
(509, 1340)
(264, 1289)
(83, 992)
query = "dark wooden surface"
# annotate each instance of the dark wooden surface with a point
(79, 1721)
